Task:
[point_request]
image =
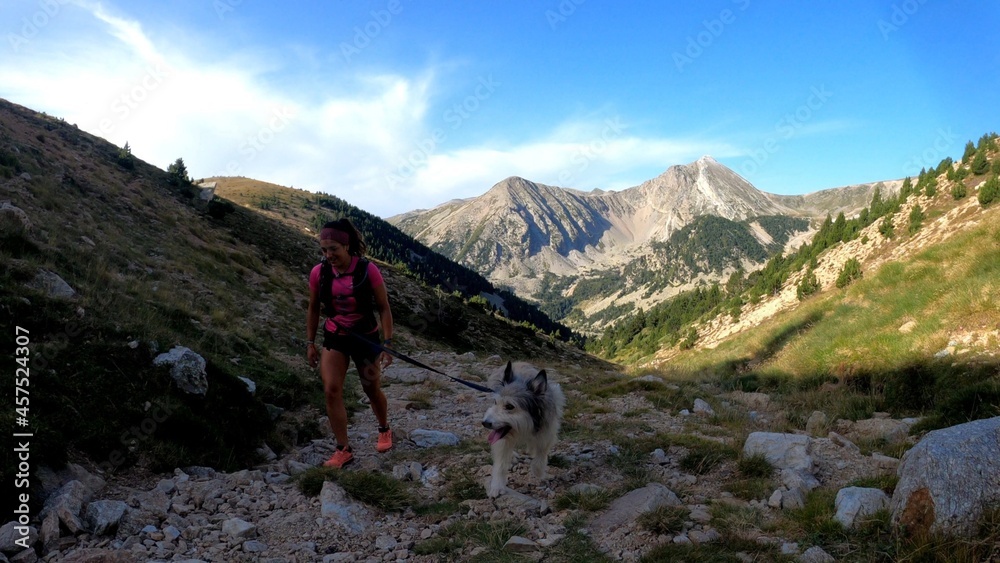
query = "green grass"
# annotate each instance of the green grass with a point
(588, 501)
(842, 333)
(753, 488)
(664, 519)
(370, 487)
(490, 535)
(755, 465)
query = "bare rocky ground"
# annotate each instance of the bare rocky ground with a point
(198, 514)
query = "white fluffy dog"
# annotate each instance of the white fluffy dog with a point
(526, 413)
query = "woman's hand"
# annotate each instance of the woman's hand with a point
(384, 360)
(312, 354)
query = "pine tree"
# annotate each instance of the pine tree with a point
(125, 159)
(885, 227)
(916, 219)
(930, 186)
(850, 272)
(970, 151)
(809, 284)
(979, 163)
(839, 225)
(178, 172)
(877, 206)
(905, 190)
(958, 190)
(989, 191)
(944, 165)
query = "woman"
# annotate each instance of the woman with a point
(350, 300)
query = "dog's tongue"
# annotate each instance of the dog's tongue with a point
(494, 436)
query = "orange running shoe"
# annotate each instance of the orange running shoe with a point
(384, 441)
(340, 458)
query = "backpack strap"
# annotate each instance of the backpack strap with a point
(364, 297)
(326, 287)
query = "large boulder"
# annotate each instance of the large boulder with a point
(784, 451)
(13, 219)
(52, 285)
(186, 368)
(948, 478)
(629, 507)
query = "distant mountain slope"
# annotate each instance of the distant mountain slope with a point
(919, 268)
(519, 232)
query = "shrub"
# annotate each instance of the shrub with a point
(958, 191)
(885, 227)
(930, 186)
(808, 286)
(125, 159)
(989, 191)
(916, 219)
(218, 209)
(850, 272)
(980, 165)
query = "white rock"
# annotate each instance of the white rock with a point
(854, 503)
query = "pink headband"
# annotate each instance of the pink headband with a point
(336, 235)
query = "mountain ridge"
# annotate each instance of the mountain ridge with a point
(518, 231)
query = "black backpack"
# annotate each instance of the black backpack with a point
(361, 287)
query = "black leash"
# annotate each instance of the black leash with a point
(410, 360)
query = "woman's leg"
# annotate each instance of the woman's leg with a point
(333, 368)
(371, 382)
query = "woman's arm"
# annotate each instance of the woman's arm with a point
(384, 312)
(312, 324)
(385, 319)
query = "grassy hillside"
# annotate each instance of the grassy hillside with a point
(152, 267)
(917, 333)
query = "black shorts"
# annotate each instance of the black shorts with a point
(360, 348)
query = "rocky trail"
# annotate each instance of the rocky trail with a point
(260, 514)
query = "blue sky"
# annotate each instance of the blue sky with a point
(396, 105)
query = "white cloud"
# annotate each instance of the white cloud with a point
(365, 138)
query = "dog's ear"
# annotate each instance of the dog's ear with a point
(508, 374)
(539, 384)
